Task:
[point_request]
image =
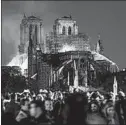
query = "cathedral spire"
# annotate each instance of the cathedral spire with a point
(99, 47)
(98, 44)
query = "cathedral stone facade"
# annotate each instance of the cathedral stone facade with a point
(25, 25)
(67, 52)
(65, 26)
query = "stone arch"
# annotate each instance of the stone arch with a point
(69, 30)
(36, 33)
(30, 31)
(63, 30)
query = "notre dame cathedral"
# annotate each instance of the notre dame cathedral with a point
(64, 55)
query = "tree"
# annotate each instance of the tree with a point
(12, 80)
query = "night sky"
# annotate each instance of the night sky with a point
(105, 17)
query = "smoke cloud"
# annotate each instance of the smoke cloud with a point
(67, 47)
(12, 14)
(10, 37)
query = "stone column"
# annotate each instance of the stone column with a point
(26, 39)
(72, 30)
(76, 79)
(66, 30)
(76, 29)
(38, 34)
(76, 75)
(25, 34)
(57, 76)
(51, 76)
(41, 38)
(57, 29)
(21, 33)
(54, 77)
(85, 78)
(60, 29)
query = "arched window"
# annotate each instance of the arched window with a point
(63, 30)
(30, 31)
(69, 30)
(82, 60)
(36, 33)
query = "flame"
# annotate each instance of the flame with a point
(20, 60)
(67, 47)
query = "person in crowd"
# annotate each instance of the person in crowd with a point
(39, 97)
(23, 117)
(12, 107)
(94, 115)
(5, 101)
(23, 114)
(93, 96)
(37, 113)
(2, 109)
(74, 110)
(63, 108)
(111, 114)
(121, 93)
(58, 106)
(7, 118)
(119, 110)
(25, 104)
(48, 105)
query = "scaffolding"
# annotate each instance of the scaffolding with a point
(55, 42)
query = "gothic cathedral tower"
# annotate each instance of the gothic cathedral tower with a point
(65, 26)
(31, 39)
(24, 33)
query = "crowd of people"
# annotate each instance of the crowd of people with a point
(63, 108)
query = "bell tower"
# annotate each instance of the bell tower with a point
(65, 26)
(99, 47)
(24, 32)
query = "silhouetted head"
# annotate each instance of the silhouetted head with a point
(36, 108)
(94, 106)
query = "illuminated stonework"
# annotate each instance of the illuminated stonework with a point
(24, 32)
(65, 32)
(65, 26)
